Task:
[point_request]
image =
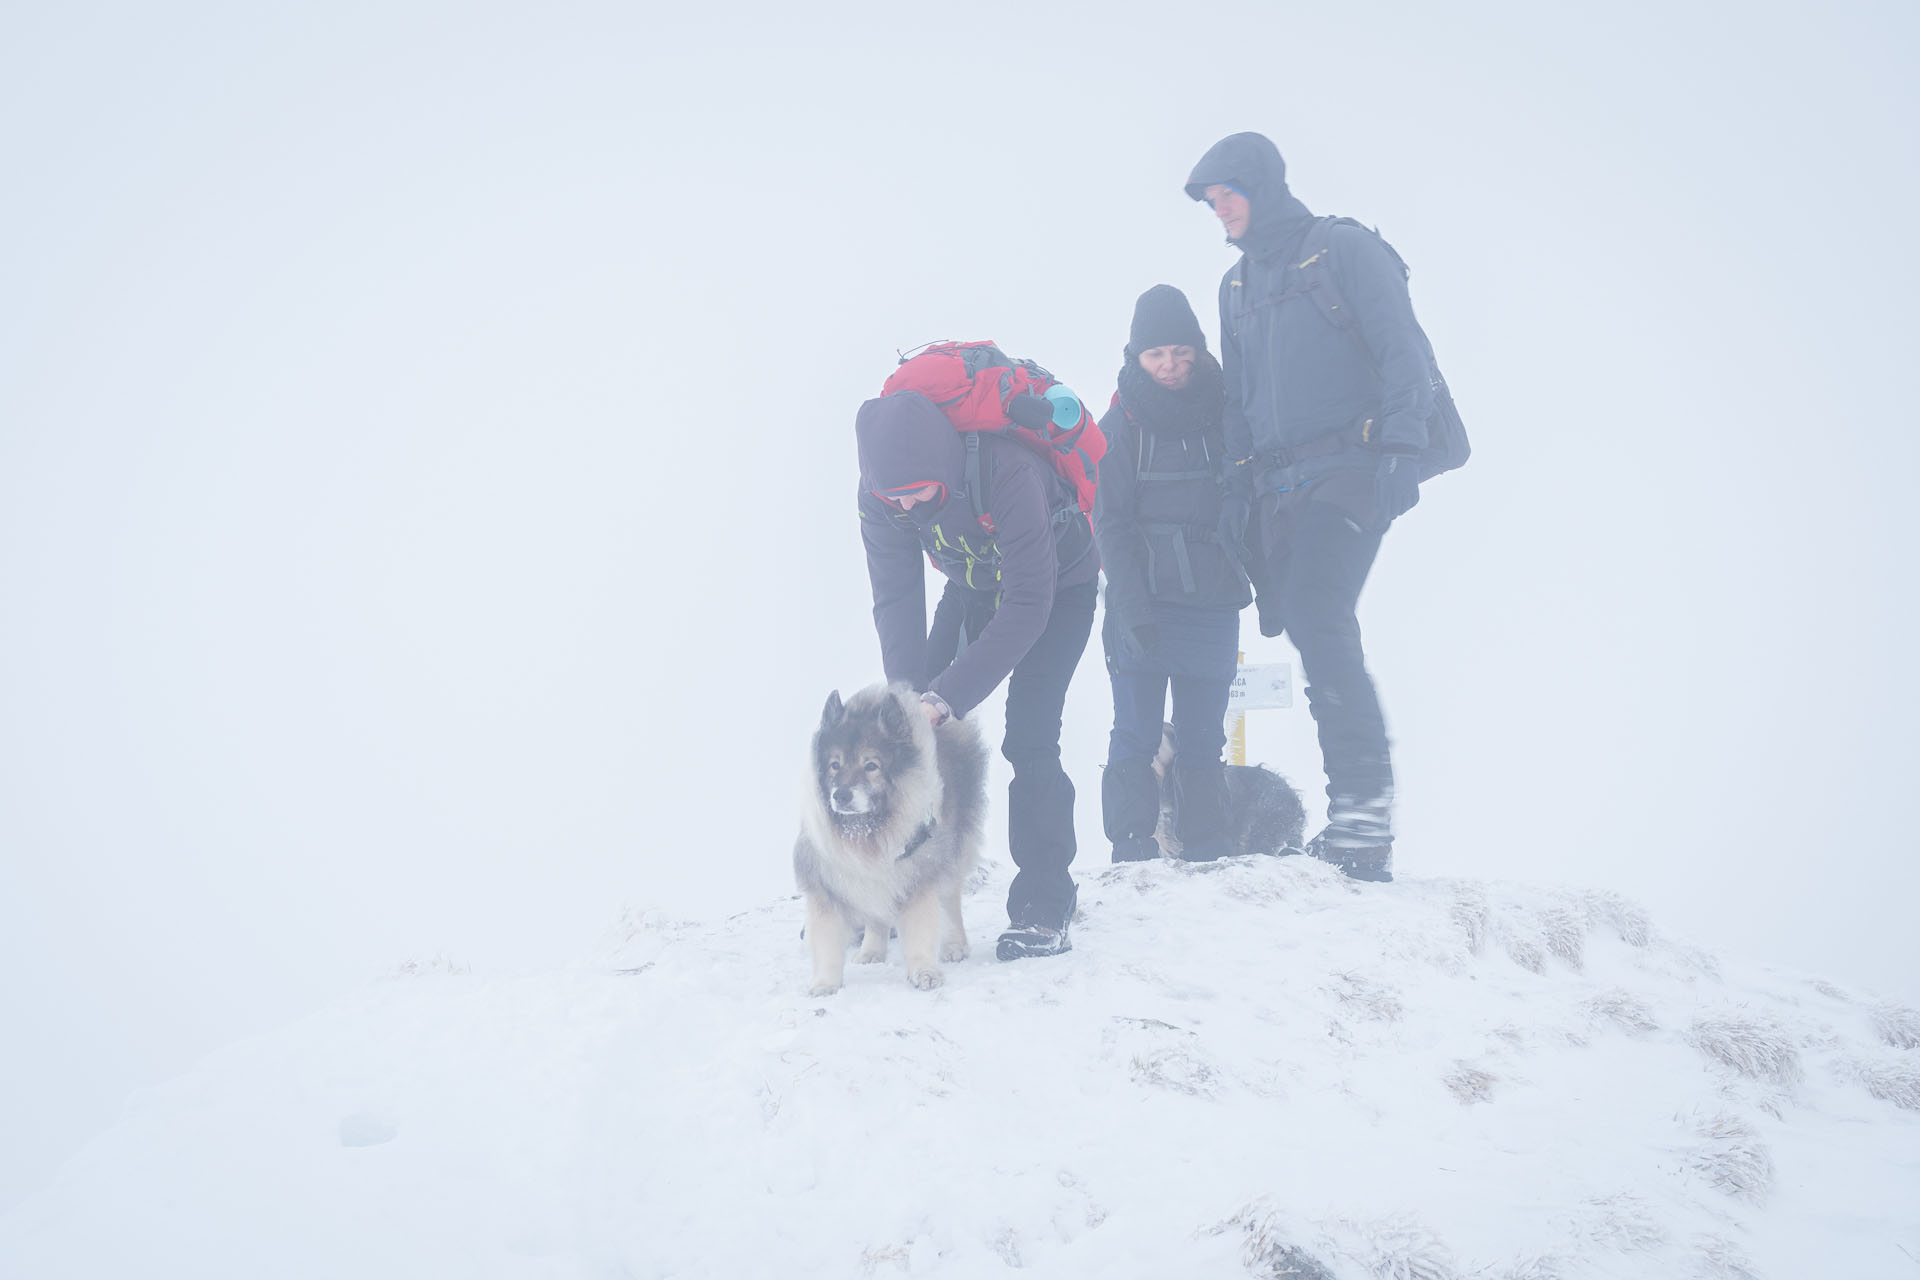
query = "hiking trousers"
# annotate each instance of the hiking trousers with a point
(1308, 560)
(1040, 797)
(1197, 655)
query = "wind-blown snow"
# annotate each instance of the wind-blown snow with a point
(1251, 1067)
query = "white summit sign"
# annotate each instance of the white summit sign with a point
(1258, 687)
(1261, 686)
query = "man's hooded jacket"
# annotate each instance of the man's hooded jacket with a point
(904, 440)
(1292, 377)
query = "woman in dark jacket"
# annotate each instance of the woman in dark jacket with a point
(1174, 591)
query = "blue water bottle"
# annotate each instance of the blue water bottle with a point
(1066, 407)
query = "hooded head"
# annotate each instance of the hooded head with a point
(905, 444)
(1250, 163)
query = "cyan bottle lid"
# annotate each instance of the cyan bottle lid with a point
(1066, 407)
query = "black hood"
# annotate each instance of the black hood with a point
(905, 440)
(1252, 163)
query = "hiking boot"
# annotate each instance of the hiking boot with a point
(1360, 821)
(1129, 810)
(1023, 940)
(1359, 857)
(1028, 936)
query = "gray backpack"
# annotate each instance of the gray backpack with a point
(1447, 446)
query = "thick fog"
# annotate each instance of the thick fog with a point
(426, 469)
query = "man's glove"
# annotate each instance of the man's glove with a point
(1396, 487)
(1032, 412)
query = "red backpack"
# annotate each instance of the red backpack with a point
(971, 383)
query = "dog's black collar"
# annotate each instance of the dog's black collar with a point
(920, 837)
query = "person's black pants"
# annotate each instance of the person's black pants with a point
(1308, 560)
(1196, 658)
(1040, 797)
(1197, 655)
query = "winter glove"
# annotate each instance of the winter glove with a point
(1129, 637)
(1032, 412)
(1141, 642)
(1236, 508)
(1396, 488)
(1231, 528)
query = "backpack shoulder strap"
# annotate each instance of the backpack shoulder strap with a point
(1316, 259)
(1323, 279)
(976, 480)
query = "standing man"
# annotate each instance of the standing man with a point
(1021, 568)
(1326, 416)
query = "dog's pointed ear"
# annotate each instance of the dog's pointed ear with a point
(893, 720)
(835, 711)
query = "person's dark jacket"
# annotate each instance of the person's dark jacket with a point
(905, 440)
(1292, 377)
(1159, 537)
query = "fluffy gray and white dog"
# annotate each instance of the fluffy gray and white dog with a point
(891, 829)
(1264, 813)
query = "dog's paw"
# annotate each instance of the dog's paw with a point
(926, 979)
(823, 988)
(864, 956)
(955, 952)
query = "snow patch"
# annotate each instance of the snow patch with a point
(1247, 1067)
(1731, 1156)
(1897, 1025)
(1756, 1047)
(1897, 1082)
(365, 1129)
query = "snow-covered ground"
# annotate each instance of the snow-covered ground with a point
(1253, 1067)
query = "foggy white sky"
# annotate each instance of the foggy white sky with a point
(426, 466)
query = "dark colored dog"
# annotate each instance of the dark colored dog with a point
(1264, 811)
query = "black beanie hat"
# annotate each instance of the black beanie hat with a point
(1163, 318)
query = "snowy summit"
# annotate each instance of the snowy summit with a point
(1252, 1067)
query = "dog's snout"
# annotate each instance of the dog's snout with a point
(843, 796)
